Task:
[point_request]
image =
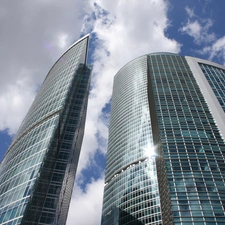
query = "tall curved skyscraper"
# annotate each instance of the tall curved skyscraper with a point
(166, 149)
(38, 170)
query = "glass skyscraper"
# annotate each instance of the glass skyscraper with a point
(38, 170)
(166, 149)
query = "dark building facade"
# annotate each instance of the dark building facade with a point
(37, 173)
(166, 149)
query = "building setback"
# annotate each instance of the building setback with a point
(38, 170)
(166, 149)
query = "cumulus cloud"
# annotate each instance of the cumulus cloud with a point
(218, 48)
(190, 12)
(215, 50)
(33, 35)
(14, 100)
(198, 28)
(86, 205)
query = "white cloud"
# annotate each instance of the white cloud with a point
(63, 40)
(190, 12)
(193, 29)
(216, 49)
(198, 28)
(85, 207)
(16, 97)
(33, 35)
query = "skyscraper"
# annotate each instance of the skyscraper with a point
(38, 170)
(166, 149)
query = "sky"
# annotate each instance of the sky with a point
(34, 34)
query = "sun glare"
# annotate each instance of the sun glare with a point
(150, 151)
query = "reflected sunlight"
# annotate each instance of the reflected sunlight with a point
(150, 151)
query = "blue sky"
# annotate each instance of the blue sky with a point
(35, 33)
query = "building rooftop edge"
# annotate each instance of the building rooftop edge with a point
(163, 53)
(80, 39)
(71, 46)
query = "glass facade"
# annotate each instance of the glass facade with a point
(131, 190)
(215, 77)
(38, 170)
(187, 153)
